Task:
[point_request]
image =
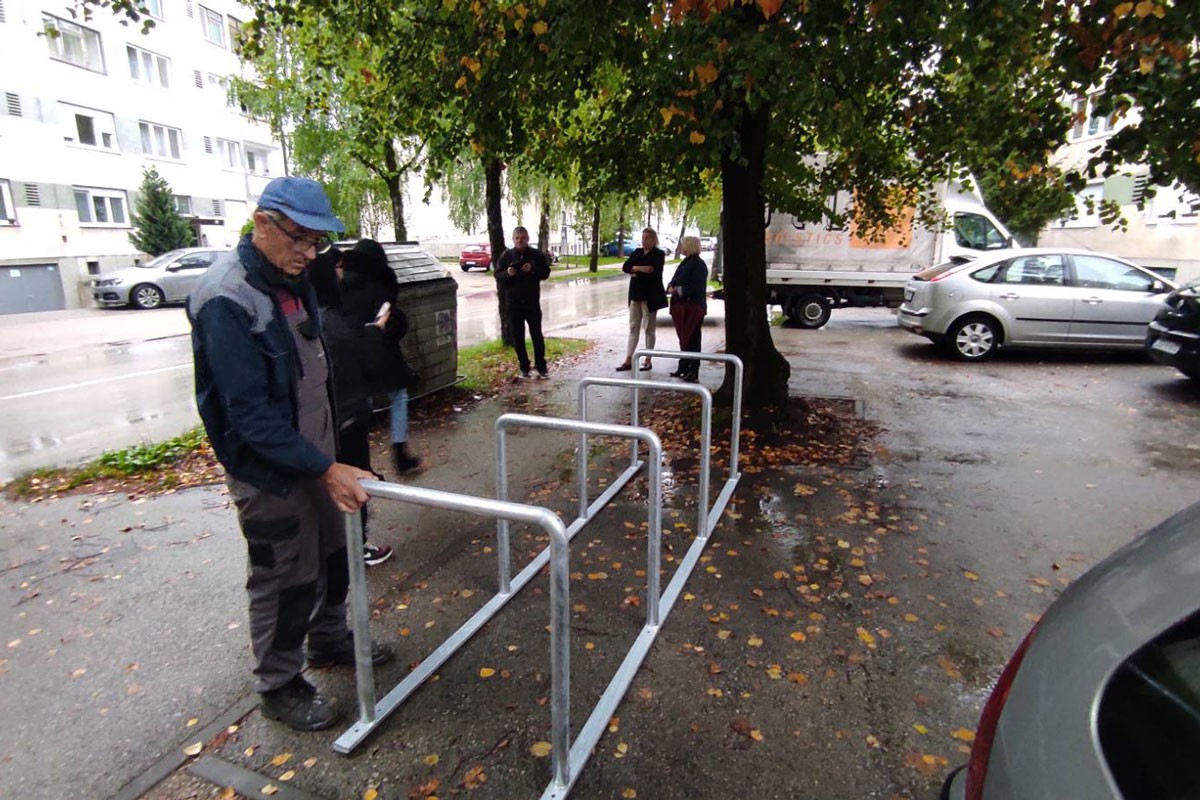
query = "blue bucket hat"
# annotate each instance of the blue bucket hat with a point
(303, 201)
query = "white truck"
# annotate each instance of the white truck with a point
(813, 268)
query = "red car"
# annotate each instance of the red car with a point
(475, 255)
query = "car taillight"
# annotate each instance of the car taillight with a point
(981, 750)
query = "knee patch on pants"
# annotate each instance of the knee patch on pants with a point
(295, 608)
(337, 581)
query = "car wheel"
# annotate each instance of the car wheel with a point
(973, 338)
(146, 296)
(465, 267)
(811, 311)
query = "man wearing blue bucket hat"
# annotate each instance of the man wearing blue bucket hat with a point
(264, 391)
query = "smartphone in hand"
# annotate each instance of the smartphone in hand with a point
(383, 311)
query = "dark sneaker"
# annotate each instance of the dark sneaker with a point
(542, 375)
(299, 705)
(376, 554)
(404, 461)
(343, 655)
(525, 374)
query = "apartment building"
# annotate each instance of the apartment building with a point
(87, 105)
(1164, 233)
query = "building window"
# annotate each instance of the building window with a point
(73, 43)
(159, 140)
(1087, 122)
(88, 127)
(235, 31)
(230, 154)
(100, 207)
(8, 212)
(153, 8)
(183, 205)
(256, 161)
(148, 67)
(214, 26)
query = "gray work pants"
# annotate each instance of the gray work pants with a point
(297, 577)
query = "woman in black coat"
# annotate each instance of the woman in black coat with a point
(356, 352)
(646, 296)
(689, 303)
(368, 283)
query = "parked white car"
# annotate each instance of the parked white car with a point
(1035, 297)
(165, 279)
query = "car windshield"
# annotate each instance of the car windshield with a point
(158, 261)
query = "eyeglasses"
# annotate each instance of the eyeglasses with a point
(320, 243)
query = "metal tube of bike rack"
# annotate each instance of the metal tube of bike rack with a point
(654, 542)
(662, 386)
(559, 617)
(735, 474)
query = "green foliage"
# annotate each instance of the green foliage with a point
(486, 366)
(157, 226)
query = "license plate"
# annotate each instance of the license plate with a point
(1165, 346)
(908, 295)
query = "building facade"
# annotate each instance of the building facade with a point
(1163, 234)
(87, 106)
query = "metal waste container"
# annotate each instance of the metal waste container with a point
(428, 297)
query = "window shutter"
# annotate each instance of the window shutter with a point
(190, 11)
(3, 18)
(199, 79)
(33, 196)
(13, 102)
(208, 145)
(1139, 188)
(218, 208)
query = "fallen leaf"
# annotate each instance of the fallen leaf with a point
(541, 749)
(475, 777)
(971, 576)
(309, 763)
(269, 789)
(755, 641)
(371, 793)
(964, 735)
(287, 776)
(281, 759)
(486, 672)
(191, 723)
(756, 735)
(628, 794)
(193, 749)
(431, 760)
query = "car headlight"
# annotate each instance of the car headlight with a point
(109, 282)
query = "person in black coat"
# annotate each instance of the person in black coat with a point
(689, 303)
(357, 352)
(519, 274)
(368, 283)
(646, 295)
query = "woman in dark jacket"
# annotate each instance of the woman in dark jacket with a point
(689, 289)
(367, 284)
(356, 351)
(646, 296)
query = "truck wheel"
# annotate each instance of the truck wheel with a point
(973, 338)
(810, 311)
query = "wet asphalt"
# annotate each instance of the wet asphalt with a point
(837, 640)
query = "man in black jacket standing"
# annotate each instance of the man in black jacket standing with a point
(265, 393)
(519, 275)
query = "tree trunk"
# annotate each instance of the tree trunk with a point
(747, 331)
(621, 231)
(594, 262)
(718, 269)
(687, 206)
(495, 225)
(543, 240)
(395, 181)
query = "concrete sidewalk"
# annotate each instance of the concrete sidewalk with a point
(127, 637)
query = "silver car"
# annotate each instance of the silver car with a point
(165, 279)
(1033, 297)
(1101, 701)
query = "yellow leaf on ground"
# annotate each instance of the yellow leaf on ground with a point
(921, 729)
(799, 636)
(486, 672)
(872, 741)
(622, 750)
(756, 735)
(866, 637)
(269, 789)
(193, 749)
(371, 793)
(971, 576)
(541, 749)
(628, 794)
(309, 763)
(431, 760)
(964, 735)
(755, 641)
(281, 759)
(287, 776)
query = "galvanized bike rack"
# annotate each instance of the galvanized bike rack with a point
(567, 760)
